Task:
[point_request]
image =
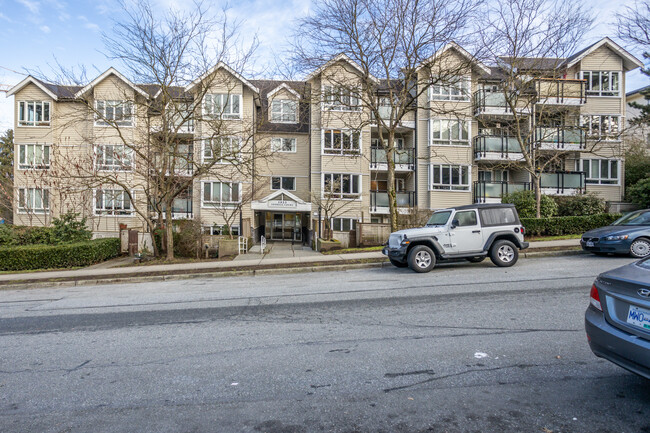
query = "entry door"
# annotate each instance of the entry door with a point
(276, 233)
(467, 237)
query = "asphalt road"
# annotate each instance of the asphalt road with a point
(466, 348)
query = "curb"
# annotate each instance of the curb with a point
(231, 272)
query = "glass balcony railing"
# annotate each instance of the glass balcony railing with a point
(400, 156)
(379, 199)
(490, 102)
(560, 91)
(560, 137)
(563, 182)
(496, 190)
(501, 144)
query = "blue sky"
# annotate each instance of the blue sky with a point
(37, 33)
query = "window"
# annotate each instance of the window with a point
(599, 171)
(113, 157)
(338, 98)
(283, 144)
(284, 110)
(221, 230)
(449, 132)
(497, 216)
(282, 182)
(221, 194)
(33, 200)
(222, 105)
(341, 185)
(118, 113)
(602, 127)
(33, 113)
(456, 89)
(339, 142)
(344, 224)
(223, 149)
(33, 156)
(602, 83)
(449, 177)
(112, 202)
(466, 218)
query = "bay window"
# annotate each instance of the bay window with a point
(222, 105)
(223, 149)
(449, 177)
(338, 98)
(111, 112)
(33, 200)
(602, 127)
(341, 185)
(33, 156)
(113, 157)
(602, 83)
(446, 132)
(112, 202)
(455, 89)
(341, 142)
(33, 113)
(221, 194)
(600, 171)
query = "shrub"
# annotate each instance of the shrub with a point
(7, 236)
(637, 168)
(576, 205)
(525, 203)
(187, 239)
(19, 258)
(33, 235)
(67, 229)
(639, 193)
(566, 225)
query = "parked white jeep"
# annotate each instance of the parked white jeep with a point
(470, 232)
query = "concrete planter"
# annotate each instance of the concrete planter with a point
(228, 247)
(324, 245)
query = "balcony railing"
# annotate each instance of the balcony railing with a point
(379, 200)
(560, 91)
(497, 147)
(563, 183)
(404, 159)
(560, 138)
(492, 103)
(491, 192)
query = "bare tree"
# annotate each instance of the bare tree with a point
(329, 205)
(394, 45)
(528, 41)
(176, 116)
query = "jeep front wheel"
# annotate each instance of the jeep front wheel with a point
(504, 253)
(421, 258)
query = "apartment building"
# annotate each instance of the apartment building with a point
(316, 145)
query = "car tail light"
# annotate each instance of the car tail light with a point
(594, 298)
(523, 230)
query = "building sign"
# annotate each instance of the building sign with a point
(286, 204)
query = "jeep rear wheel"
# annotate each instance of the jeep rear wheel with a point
(398, 264)
(421, 259)
(504, 253)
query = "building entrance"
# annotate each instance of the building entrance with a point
(284, 226)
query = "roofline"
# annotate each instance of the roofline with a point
(339, 57)
(286, 87)
(36, 82)
(621, 51)
(639, 90)
(222, 65)
(462, 51)
(103, 76)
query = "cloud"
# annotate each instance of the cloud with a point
(88, 24)
(5, 17)
(45, 29)
(33, 6)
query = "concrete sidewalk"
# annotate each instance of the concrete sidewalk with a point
(280, 257)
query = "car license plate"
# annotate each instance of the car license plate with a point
(639, 317)
(589, 243)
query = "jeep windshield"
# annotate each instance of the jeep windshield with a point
(638, 218)
(439, 218)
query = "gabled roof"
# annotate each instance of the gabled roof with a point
(629, 61)
(339, 58)
(637, 91)
(462, 51)
(110, 71)
(283, 86)
(38, 83)
(222, 65)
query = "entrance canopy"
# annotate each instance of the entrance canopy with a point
(281, 201)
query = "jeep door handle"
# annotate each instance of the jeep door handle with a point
(476, 231)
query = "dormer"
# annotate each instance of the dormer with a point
(283, 104)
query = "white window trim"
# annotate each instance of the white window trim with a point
(212, 205)
(221, 161)
(463, 78)
(451, 144)
(295, 145)
(25, 123)
(600, 95)
(281, 177)
(599, 179)
(588, 136)
(322, 186)
(430, 175)
(326, 106)
(224, 116)
(101, 212)
(341, 153)
(22, 167)
(130, 168)
(32, 210)
(100, 122)
(351, 219)
(282, 101)
(210, 227)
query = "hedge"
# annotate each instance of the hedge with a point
(28, 257)
(567, 225)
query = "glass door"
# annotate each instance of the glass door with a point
(276, 234)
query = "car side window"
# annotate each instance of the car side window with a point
(466, 218)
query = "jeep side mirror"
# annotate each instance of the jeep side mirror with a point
(454, 223)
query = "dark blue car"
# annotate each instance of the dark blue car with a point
(629, 234)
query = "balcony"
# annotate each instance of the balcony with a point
(497, 148)
(385, 112)
(181, 206)
(563, 183)
(552, 91)
(491, 192)
(566, 138)
(488, 103)
(404, 159)
(379, 202)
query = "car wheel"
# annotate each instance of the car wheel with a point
(421, 259)
(640, 248)
(504, 253)
(478, 259)
(398, 264)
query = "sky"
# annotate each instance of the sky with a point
(36, 34)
